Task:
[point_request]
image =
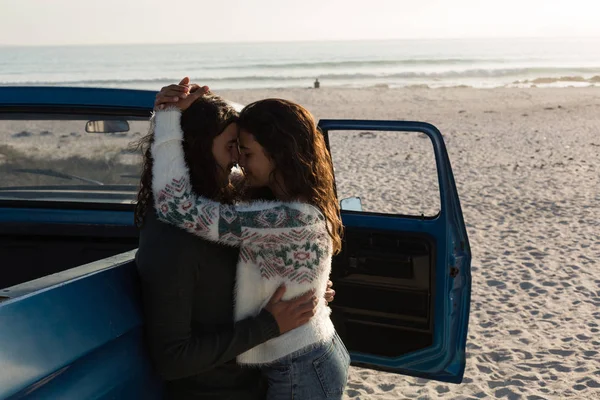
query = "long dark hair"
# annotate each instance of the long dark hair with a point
(289, 135)
(204, 120)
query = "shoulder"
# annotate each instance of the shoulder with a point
(166, 239)
(155, 230)
(161, 242)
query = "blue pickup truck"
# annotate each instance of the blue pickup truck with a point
(71, 325)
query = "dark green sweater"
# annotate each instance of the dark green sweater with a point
(187, 287)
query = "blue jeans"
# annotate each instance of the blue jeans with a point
(316, 372)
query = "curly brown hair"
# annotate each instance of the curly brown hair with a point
(290, 137)
(204, 120)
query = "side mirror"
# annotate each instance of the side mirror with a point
(107, 126)
(351, 204)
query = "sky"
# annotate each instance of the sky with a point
(86, 22)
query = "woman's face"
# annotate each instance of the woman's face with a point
(257, 165)
(224, 150)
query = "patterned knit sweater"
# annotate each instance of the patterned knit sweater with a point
(280, 242)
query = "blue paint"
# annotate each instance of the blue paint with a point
(82, 337)
(78, 339)
(76, 97)
(66, 216)
(445, 359)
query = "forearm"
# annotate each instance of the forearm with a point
(179, 356)
(174, 199)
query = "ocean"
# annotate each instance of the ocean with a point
(479, 63)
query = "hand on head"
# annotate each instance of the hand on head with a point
(181, 95)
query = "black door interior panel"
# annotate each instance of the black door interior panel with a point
(384, 291)
(31, 251)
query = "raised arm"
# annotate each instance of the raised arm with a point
(174, 199)
(176, 203)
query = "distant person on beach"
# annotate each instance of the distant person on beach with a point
(198, 360)
(317, 84)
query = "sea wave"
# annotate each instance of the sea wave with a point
(548, 80)
(359, 63)
(483, 79)
(525, 75)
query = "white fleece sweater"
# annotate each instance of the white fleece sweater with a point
(279, 242)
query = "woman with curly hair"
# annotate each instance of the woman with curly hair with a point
(288, 241)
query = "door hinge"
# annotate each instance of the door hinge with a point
(454, 272)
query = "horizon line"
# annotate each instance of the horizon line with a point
(302, 41)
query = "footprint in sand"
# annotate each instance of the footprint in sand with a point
(526, 285)
(562, 353)
(538, 255)
(486, 325)
(386, 387)
(593, 384)
(526, 377)
(506, 392)
(561, 368)
(496, 283)
(368, 135)
(524, 355)
(367, 389)
(22, 134)
(442, 389)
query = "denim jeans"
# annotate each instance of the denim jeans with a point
(316, 372)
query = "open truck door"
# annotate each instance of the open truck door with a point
(402, 282)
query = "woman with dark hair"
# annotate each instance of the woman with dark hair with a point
(209, 150)
(188, 283)
(289, 241)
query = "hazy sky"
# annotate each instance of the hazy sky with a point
(58, 22)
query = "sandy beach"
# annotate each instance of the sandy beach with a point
(527, 168)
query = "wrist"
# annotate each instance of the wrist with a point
(167, 125)
(269, 325)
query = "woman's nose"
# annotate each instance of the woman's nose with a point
(241, 160)
(235, 155)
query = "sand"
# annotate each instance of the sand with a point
(527, 168)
